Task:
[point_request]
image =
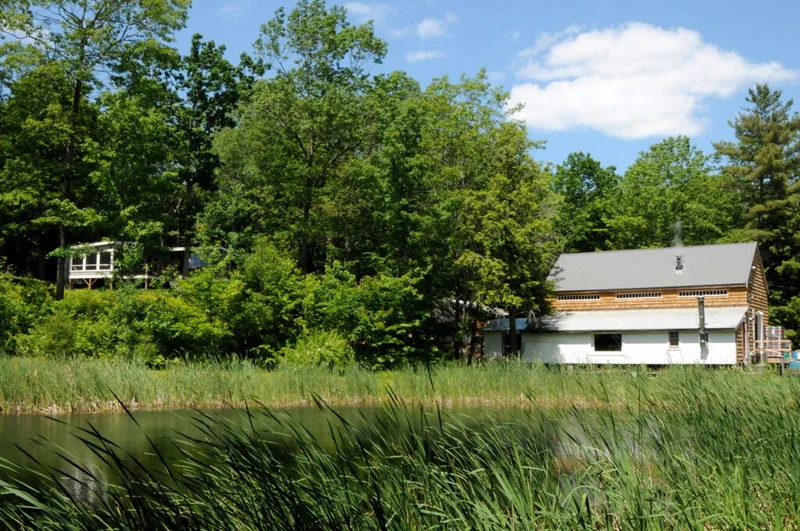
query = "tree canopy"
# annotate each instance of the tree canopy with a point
(331, 198)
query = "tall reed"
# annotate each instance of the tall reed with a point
(694, 450)
(53, 385)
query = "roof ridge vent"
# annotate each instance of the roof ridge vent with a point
(679, 263)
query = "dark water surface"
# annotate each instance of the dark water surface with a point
(45, 438)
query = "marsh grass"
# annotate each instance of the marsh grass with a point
(43, 385)
(689, 449)
(52, 385)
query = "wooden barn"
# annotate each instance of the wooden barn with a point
(681, 305)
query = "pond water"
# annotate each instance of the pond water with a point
(43, 438)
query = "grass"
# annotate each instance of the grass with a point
(41, 385)
(691, 449)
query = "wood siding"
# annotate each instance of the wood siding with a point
(737, 296)
(757, 296)
(740, 342)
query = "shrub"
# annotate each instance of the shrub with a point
(146, 325)
(319, 348)
(380, 316)
(175, 326)
(262, 304)
(788, 316)
(22, 303)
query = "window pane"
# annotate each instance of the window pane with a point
(91, 262)
(105, 260)
(674, 339)
(608, 342)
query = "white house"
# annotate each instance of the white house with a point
(681, 305)
(97, 264)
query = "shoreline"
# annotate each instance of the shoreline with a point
(445, 403)
(42, 386)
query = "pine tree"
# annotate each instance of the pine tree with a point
(764, 162)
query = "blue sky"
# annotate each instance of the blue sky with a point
(609, 78)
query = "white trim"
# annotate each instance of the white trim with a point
(666, 319)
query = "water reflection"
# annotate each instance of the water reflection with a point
(58, 444)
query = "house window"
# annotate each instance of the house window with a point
(674, 339)
(91, 262)
(105, 261)
(608, 342)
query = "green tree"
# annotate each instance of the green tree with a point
(87, 37)
(670, 196)
(212, 88)
(509, 230)
(313, 111)
(135, 177)
(399, 206)
(764, 164)
(37, 124)
(587, 190)
(379, 206)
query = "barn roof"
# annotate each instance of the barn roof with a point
(703, 265)
(628, 320)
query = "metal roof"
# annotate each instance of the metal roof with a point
(629, 320)
(704, 265)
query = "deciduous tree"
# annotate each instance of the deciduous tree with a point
(588, 190)
(88, 38)
(312, 114)
(670, 196)
(509, 227)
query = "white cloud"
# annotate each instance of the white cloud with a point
(365, 12)
(424, 55)
(233, 8)
(399, 32)
(497, 75)
(546, 40)
(431, 28)
(632, 81)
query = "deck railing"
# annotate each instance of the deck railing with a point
(772, 350)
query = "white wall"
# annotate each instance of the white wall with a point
(647, 348)
(493, 345)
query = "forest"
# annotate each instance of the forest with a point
(345, 214)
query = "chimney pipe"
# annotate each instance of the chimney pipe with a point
(701, 308)
(678, 262)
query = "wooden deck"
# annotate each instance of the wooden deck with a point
(774, 351)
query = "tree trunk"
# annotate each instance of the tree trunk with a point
(61, 271)
(512, 331)
(458, 341)
(61, 276)
(305, 265)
